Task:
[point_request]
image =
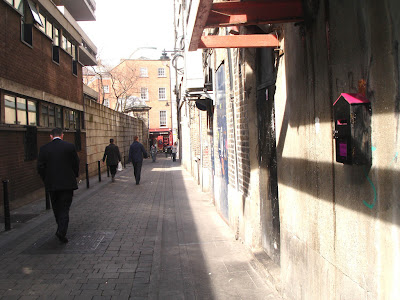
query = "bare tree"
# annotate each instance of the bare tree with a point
(124, 79)
(100, 72)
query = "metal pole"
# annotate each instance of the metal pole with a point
(124, 162)
(7, 220)
(98, 165)
(47, 199)
(87, 175)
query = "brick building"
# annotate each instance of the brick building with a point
(143, 82)
(42, 50)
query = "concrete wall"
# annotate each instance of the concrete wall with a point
(103, 123)
(339, 223)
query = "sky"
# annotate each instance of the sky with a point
(122, 26)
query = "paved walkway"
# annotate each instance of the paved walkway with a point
(162, 239)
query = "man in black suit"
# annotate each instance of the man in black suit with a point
(113, 157)
(58, 166)
(136, 153)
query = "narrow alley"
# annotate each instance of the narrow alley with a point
(162, 239)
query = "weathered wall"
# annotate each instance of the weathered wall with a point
(339, 223)
(102, 124)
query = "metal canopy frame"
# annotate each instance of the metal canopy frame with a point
(236, 13)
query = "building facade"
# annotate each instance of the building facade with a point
(272, 72)
(142, 88)
(42, 53)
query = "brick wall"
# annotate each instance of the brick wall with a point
(22, 175)
(103, 123)
(33, 66)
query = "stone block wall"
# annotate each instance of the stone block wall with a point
(102, 124)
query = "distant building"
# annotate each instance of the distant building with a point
(133, 79)
(40, 83)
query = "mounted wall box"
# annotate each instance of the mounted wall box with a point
(352, 116)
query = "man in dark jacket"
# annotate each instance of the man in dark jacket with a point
(113, 157)
(136, 153)
(58, 166)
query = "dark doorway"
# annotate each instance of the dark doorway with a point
(270, 223)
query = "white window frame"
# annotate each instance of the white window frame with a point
(161, 72)
(163, 118)
(161, 94)
(106, 89)
(144, 93)
(144, 72)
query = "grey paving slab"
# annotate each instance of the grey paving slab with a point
(162, 239)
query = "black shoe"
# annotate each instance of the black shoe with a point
(137, 183)
(62, 238)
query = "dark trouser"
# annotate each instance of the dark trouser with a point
(61, 202)
(113, 170)
(137, 169)
(173, 156)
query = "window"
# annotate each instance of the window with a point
(56, 44)
(19, 111)
(17, 4)
(44, 115)
(49, 29)
(106, 89)
(163, 118)
(56, 39)
(30, 16)
(143, 72)
(144, 93)
(162, 94)
(106, 103)
(58, 117)
(52, 117)
(10, 110)
(32, 115)
(64, 43)
(161, 72)
(72, 119)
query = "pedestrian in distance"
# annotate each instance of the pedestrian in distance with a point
(153, 152)
(58, 166)
(136, 154)
(113, 158)
(174, 150)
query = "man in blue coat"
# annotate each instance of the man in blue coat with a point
(136, 154)
(58, 166)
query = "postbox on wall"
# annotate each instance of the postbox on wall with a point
(352, 116)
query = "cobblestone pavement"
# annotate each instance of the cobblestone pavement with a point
(162, 239)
